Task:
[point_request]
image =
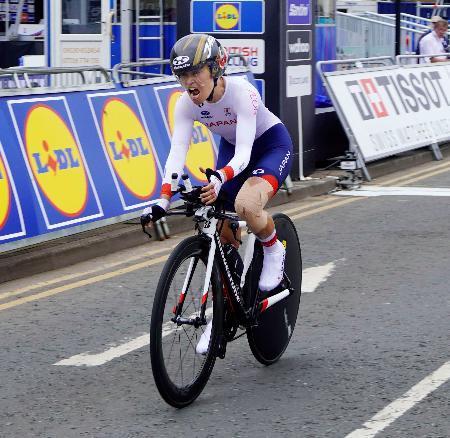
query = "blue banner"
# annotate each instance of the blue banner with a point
(227, 17)
(80, 157)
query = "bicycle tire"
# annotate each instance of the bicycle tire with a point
(270, 338)
(172, 391)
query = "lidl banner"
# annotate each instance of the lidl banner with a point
(128, 146)
(55, 161)
(245, 16)
(11, 219)
(79, 160)
(202, 150)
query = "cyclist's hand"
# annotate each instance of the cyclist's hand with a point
(211, 190)
(155, 212)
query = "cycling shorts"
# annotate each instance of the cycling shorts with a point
(271, 159)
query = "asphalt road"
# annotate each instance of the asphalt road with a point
(373, 328)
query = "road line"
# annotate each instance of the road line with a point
(327, 206)
(398, 407)
(81, 274)
(313, 277)
(93, 360)
(374, 191)
(80, 283)
(421, 174)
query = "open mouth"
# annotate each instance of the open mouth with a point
(194, 91)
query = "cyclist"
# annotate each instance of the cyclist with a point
(255, 151)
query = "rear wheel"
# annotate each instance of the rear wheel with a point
(180, 373)
(269, 339)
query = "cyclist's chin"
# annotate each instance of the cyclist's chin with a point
(198, 99)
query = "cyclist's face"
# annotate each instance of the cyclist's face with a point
(198, 84)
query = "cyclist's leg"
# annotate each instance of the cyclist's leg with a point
(270, 170)
(230, 190)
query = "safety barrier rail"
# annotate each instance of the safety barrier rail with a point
(358, 36)
(412, 60)
(55, 79)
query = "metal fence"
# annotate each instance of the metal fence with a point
(359, 36)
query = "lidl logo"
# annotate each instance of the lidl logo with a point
(129, 148)
(201, 150)
(5, 194)
(55, 160)
(227, 16)
(11, 218)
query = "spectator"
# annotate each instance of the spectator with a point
(435, 42)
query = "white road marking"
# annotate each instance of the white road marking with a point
(369, 191)
(95, 359)
(311, 279)
(398, 407)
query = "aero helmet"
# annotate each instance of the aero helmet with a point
(194, 51)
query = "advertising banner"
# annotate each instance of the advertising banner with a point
(202, 150)
(128, 147)
(55, 161)
(11, 218)
(246, 16)
(253, 50)
(298, 12)
(394, 110)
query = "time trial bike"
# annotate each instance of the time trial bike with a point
(203, 279)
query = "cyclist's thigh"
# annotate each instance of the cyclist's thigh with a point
(274, 160)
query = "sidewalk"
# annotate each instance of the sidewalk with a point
(95, 243)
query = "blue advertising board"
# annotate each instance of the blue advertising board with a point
(298, 12)
(79, 159)
(245, 16)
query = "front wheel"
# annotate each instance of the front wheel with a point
(270, 338)
(180, 373)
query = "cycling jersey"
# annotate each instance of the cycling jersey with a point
(239, 117)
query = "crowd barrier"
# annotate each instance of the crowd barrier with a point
(393, 108)
(76, 157)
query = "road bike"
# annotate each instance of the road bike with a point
(203, 279)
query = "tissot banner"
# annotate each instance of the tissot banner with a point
(394, 110)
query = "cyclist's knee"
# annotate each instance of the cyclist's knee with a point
(250, 203)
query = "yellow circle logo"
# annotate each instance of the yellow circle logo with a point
(201, 151)
(227, 16)
(129, 148)
(55, 160)
(5, 194)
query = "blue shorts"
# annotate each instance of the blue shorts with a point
(271, 159)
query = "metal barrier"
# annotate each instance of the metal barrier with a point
(38, 80)
(361, 37)
(411, 60)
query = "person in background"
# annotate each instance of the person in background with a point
(435, 41)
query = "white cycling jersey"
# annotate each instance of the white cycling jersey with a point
(240, 117)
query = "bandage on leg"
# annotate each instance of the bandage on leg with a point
(250, 203)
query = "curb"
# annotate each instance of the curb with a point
(69, 250)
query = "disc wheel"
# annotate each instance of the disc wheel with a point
(270, 338)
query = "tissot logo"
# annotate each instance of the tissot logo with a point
(397, 94)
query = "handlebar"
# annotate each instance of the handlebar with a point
(191, 195)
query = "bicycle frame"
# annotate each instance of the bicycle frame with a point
(209, 230)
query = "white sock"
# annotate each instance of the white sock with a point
(271, 244)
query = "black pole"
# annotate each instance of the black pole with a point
(397, 28)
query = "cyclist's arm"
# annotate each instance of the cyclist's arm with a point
(181, 139)
(246, 108)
